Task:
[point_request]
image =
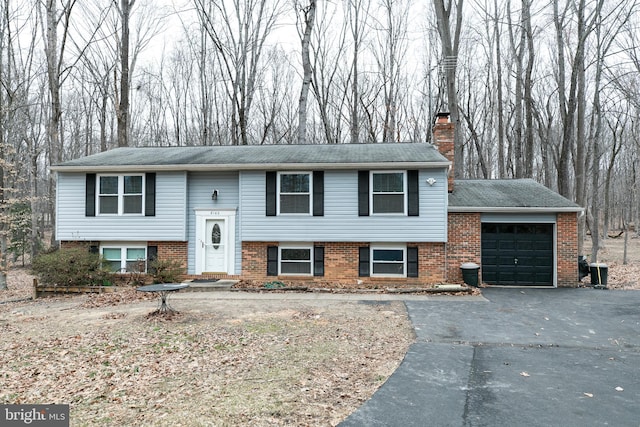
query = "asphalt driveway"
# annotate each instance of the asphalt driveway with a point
(521, 357)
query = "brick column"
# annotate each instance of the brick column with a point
(443, 137)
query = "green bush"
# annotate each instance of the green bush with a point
(166, 270)
(71, 267)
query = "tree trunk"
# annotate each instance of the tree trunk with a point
(123, 105)
(309, 13)
(528, 87)
(450, 57)
(500, 101)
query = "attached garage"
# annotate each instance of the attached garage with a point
(527, 233)
(517, 254)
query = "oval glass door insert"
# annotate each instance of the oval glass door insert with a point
(216, 234)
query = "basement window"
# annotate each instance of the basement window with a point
(388, 261)
(125, 259)
(296, 260)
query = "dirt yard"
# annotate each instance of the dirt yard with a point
(254, 363)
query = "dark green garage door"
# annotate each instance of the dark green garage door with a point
(517, 254)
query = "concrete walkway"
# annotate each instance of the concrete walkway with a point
(520, 357)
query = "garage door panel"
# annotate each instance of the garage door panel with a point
(518, 254)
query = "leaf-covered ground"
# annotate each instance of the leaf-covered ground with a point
(258, 363)
(218, 363)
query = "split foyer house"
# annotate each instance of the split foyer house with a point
(358, 214)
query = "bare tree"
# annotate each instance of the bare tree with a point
(450, 47)
(392, 29)
(122, 111)
(357, 13)
(238, 30)
(308, 18)
(329, 87)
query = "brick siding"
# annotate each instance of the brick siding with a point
(464, 243)
(341, 261)
(567, 249)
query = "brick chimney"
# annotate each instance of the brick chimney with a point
(443, 139)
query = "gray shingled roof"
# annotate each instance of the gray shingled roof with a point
(261, 157)
(489, 195)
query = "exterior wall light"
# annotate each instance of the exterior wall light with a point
(431, 181)
(214, 195)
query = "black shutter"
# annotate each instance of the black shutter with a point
(363, 262)
(272, 260)
(413, 208)
(318, 260)
(318, 193)
(363, 193)
(150, 194)
(152, 255)
(271, 183)
(90, 195)
(412, 262)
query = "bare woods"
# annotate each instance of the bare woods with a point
(547, 90)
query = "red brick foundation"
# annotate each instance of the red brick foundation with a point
(172, 250)
(567, 249)
(341, 266)
(464, 245)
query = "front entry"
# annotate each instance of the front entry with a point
(215, 237)
(214, 246)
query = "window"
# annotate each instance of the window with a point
(294, 195)
(296, 261)
(126, 259)
(388, 261)
(388, 192)
(120, 195)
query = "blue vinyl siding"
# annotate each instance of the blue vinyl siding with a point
(201, 185)
(169, 223)
(341, 222)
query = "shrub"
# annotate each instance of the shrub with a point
(71, 267)
(166, 270)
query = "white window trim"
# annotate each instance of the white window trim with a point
(295, 246)
(123, 253)
(405, 192)
(310, 193)
(120, 194)
(402, 248)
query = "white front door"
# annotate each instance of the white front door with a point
(215, 246)
(215, 241)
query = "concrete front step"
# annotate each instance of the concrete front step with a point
(203, 286)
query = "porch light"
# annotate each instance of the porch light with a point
(431, 181)
(214, 195)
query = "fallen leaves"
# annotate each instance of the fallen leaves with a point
(275, 363)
